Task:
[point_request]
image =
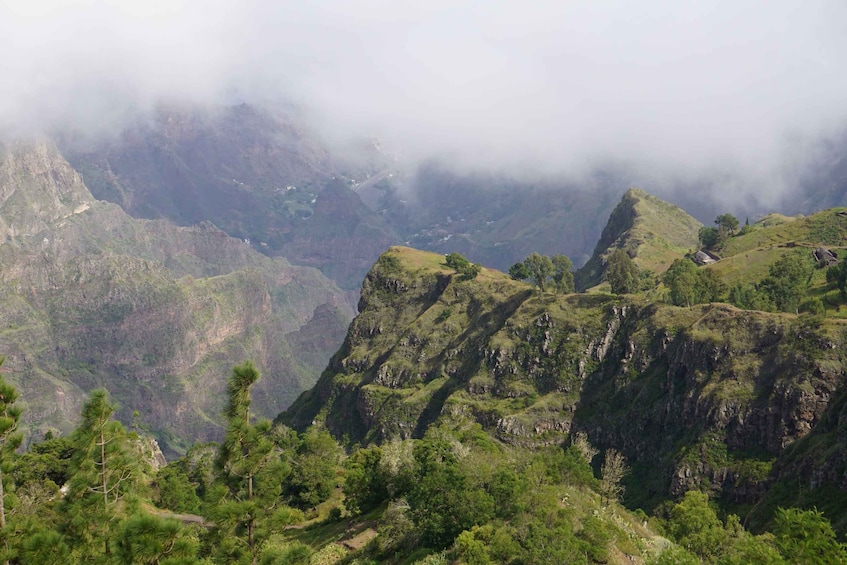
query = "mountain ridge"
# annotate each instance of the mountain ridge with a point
(651, 231)
(154, 312)
(666, 386)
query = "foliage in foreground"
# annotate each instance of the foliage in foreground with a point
(456, 495)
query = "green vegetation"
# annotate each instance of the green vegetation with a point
(652, 232)
(466, 407)
(455, 495)
(492, 380)
(542, 270)
(622, 273)
(687, 285)
(461, 265)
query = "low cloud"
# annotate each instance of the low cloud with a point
(739, 93)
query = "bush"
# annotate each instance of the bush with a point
(456, 261)
(813, 306)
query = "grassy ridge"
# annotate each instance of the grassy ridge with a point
(652, 231)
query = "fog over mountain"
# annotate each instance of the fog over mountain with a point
(741, 98)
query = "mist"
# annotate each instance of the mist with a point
(737, 97)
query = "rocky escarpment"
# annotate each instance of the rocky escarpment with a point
(157, 314)
(705, 397)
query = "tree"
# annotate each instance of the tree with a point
(103, 471)
(694, 525)
(365, 481)
(152, 540)
(681, 280)
(710, 287)
(727, 223)
(837, 275)
(456, 261)
(45, 547)
(581, 443)
(313, 469)
(10, 439)
(709, 237)
(812, 306)
(175, 490)
(805, 536)
(519, 272)
(461, 265)
(562, 274)
(787, 281)
(251, 472)
(688, 285)
(621, 272)
(471, 271)
(444, 501)
(612, 473)
(539, 267)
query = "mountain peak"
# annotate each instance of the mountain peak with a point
(653, 232)
(37, 188)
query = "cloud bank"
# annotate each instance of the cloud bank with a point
(740, 91)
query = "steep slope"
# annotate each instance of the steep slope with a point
(257, 175)
(157, 314)
(703, 397)
(652, 231)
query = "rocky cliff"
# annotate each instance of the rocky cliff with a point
(705, 397)
(157, 314)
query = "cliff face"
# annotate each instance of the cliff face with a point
(155, 313)
(708, 396)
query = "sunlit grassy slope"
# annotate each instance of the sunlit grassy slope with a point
(652, 231)
(746, 259)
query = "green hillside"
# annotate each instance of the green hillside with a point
(651, 231)
(747, 258)
(660, 383)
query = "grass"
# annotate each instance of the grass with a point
(648, 228)
(665, 231)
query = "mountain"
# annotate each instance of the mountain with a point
(710, 397)
(262, 175)
(652, 232)
(497, 220)
(158, 314)
(257, 175)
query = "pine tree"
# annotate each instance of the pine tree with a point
(103, 470)
(10, 439)
(251, 474)
(151, 540)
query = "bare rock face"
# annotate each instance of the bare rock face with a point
(705, 397)
(155, 313)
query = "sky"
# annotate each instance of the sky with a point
(742, 91)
